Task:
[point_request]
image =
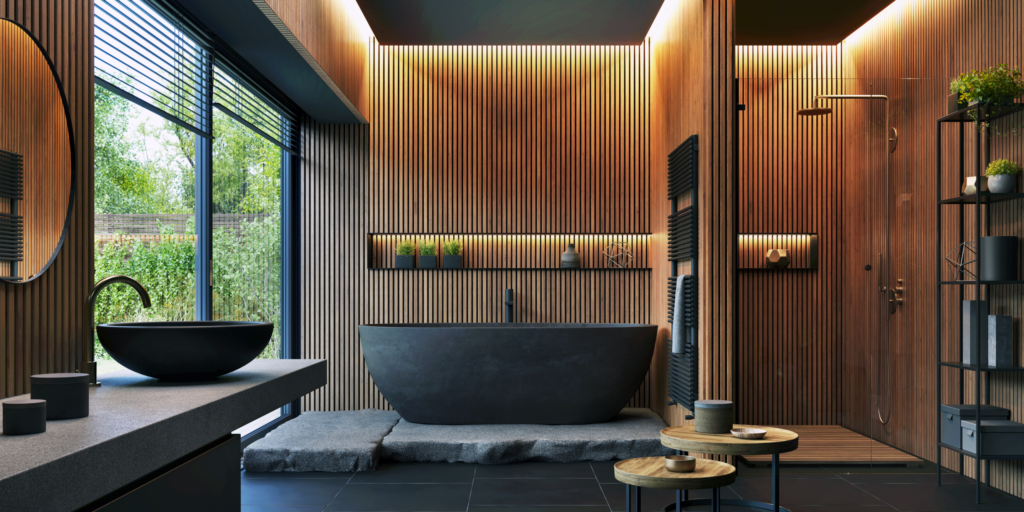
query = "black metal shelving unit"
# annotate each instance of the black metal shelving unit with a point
(975, 114)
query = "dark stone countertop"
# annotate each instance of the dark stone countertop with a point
(137, 425)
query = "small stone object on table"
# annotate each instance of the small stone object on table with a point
(686, 439)
(776, 258)
(651, 472)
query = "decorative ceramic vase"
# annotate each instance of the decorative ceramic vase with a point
(975, 184)
(428, 261)
(405, 261)
(1002, 183)
(997, 258)
(571, 258)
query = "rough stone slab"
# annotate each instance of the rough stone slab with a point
(633, 433)
(337, 442)
(138, 425)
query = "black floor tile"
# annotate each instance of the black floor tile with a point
(605, 471)
(530, 492)
(291, 475)
(536, 470)
(402, 498)
(948, 498)
(277, 491)
(655, 500)
(417, 473)
(282, 508)
(804, 491)
(904, 478)
(570, 508)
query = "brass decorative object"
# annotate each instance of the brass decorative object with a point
(776, 258)
(959, 258)
(975, 184)
(617, 255)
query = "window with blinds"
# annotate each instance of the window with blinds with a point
(151, 60)
(244, 105)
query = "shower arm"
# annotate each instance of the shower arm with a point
(887, 263)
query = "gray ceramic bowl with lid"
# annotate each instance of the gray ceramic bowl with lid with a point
(66, 394)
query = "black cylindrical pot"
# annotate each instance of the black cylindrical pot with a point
(23, 417)
(997, 258)
(66, 394)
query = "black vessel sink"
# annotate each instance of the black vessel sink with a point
(184, 351)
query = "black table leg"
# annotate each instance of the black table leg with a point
(679, 500)
(638, 509)
(629, 502)
(775, 481)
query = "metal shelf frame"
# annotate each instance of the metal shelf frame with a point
(978, 113)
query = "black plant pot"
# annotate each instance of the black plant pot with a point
(452, 261)
(997, 258)
(428, 261)
(955, 103)
(402, 261)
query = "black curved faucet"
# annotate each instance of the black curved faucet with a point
(89, 363)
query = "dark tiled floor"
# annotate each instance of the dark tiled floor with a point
(591, 487)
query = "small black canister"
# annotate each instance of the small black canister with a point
(66, 394)
(23, 417)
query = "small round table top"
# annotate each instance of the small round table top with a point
(685, 438)
(651, 472)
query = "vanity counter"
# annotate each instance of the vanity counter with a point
(137, 426)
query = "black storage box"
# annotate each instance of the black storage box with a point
(998, 437)
(953, 414)
(66, 394)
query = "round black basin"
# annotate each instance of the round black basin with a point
(184, 351)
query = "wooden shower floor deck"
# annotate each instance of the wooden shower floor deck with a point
(835, 445)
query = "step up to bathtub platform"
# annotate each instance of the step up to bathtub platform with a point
(340, 441)
(633, 433)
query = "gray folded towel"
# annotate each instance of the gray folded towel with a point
(679, 329)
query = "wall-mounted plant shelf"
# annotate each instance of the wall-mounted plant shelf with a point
(514, 251)
(752, 247)
(985, 198)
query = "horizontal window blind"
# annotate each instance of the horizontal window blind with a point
(151, 60)
(238, 99)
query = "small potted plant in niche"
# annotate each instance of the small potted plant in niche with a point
(452, 254)
(1002, 176)
(954, 101)
(404, 254)
(428, 254)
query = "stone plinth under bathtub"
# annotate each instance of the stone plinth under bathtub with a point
(355, 440)
(633, 433)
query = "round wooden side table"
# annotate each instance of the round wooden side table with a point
(651, 472)
(686, 440)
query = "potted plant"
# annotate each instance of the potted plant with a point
(1002, 176)
(997, 85)
(404, 254)
(954, 102)
(428, 254)
(452, 254)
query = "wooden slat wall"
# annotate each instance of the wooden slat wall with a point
(334, 38)
(790, 181)
(42, 322)
(752, 249)
(692, 91)
(506, 140)
(939, 39)
(34, 105)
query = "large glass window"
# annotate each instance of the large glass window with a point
(189, 158)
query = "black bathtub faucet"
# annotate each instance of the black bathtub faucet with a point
(508, 305)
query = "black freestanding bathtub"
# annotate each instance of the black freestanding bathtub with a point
(465, 374)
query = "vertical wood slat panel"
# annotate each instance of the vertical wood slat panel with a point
(790, 181)
(938, 40)
(512, 141)
(692, 92)
(41, 322)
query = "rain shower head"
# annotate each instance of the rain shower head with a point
(814, 111)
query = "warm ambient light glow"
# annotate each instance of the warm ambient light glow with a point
(670, 6)
(354, 13)
(887, 16)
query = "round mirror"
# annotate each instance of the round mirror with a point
(37, 162)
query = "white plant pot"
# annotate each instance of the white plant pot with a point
(1002, 183)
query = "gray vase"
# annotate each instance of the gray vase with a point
(1002, 183)
(571, 258)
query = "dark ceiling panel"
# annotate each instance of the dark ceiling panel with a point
(763, 22)
(498, 22)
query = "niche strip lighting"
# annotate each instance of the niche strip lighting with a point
(801, 249)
